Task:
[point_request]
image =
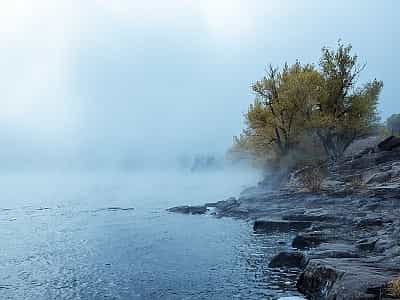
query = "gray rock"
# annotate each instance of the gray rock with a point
(369, 222)
(288, 260)
(386, 156)
(335, 254)
(379, 177)
(321, 217)
(343, 279)
(309, 240)
(367, 244)
(265, 226)
(317, 280)
(191, 210)
(389, 143)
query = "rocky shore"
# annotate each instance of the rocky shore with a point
(348, 235)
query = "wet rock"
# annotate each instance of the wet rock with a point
(265, 226)
(288, 260)
(369, 222)
(190, 210)
(335, 254)
(367, 244)
(386, 156)
(227, 204)
(317, 217)
(385, 244)
(317, 280)
(309, 240)
(343, 279)
(389, 144)
(379, 177)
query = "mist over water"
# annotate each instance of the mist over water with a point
(96, 235)
(113, 111)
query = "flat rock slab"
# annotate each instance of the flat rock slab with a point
(389, 144)
(288, 259)
(189, 210)
(266, 226)
(310, 217)
(309, 240)
(343, 279)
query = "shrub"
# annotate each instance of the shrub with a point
(312, 174)
(394, 288)
(356, 183)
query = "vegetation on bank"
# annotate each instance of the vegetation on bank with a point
(309, 111)
(393, 124)
(394, 288)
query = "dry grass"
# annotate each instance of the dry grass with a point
(394, 288)
(312, 175)
(357, 183)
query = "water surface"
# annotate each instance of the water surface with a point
(107, 236)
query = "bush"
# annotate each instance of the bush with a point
(356, 183)
(394, 288)
(312, 174)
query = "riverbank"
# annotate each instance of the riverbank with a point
(348, 235)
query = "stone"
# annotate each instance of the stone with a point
(317, 280)
(386, 156)
(190, 210)
(379, 177)
(321, 217)
(288, 260)
(265, 226)
(335, 254)
(367, 244)
(369, 222)
(389, 143)
(343, 279)
(308, 240)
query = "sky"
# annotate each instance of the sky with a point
(135, 81)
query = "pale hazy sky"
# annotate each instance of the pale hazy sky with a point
(102, 78)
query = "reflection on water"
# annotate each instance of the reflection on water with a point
(108, 236)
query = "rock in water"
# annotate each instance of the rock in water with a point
(317, 280)
(288, 260)
(367, 244)
(190, 210)
(308, 240)
(343, 279)
(265, 226)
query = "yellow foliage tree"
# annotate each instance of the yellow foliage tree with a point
(302, 100)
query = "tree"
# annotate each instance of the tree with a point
(303, 101)
(345, 112)
(393, 124)
(283, 105)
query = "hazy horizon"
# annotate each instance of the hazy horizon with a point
(152, 81)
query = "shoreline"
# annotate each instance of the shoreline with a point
(348, 237)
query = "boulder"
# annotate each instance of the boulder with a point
(335, 254)
(343, 279)
(367, 244)
(288, 260)
(386, 156)
(314, 217)
(369, 222)
(379, 177)
(389, 144)
(317, 280)
(190, 210)
(265, 226)
(309, 240)
(227, 204)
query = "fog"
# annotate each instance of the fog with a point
(135, 84)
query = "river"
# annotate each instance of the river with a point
(106, 235)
